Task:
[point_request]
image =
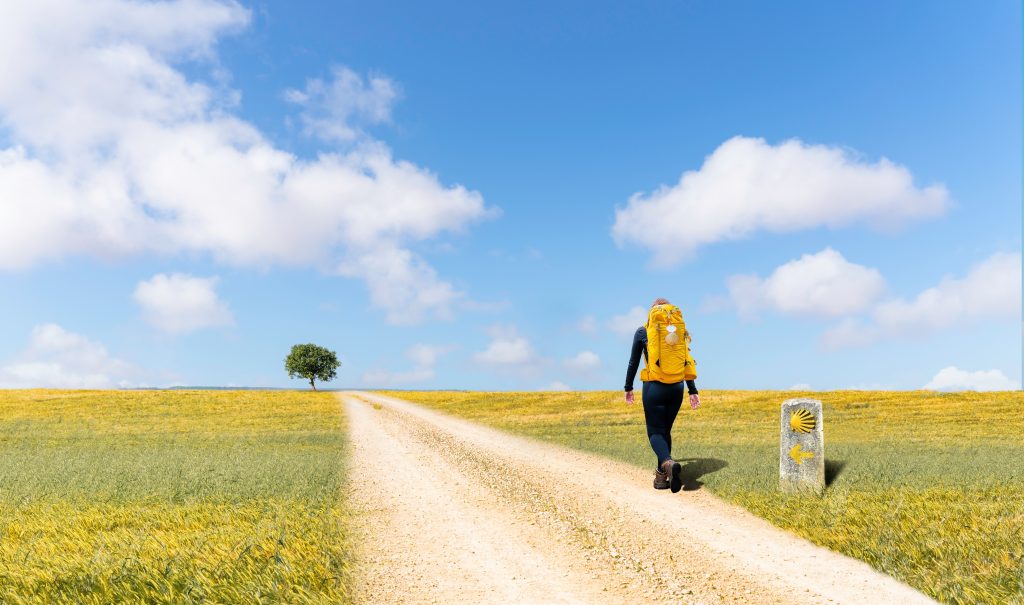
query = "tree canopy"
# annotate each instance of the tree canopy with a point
(312, 362)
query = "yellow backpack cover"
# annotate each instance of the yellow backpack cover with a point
(668, 346)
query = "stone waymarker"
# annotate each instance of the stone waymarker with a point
(801, 447)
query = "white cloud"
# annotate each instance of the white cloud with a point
(179, 303)
(873, 386)
(955, 379)
(713, 303)
(587, 324)
(584, 362)
(386, 378)
(822, 284)
(747, 185)
(507, 348)
(331, 108)
(496, 306)
(802, 386)
(424, 358)
(116, 152)
(627, 323)
(57, 358)
(849, 332)
(405, 286)
(991, 289)
(557, 386)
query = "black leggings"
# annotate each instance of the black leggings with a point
(661, 404)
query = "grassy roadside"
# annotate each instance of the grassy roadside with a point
(926, 487)
(171, 497)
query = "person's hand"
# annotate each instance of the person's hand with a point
(694, 401)
(629, 397)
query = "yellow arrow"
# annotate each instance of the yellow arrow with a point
(798, 455)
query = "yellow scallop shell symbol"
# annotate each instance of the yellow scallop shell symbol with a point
(801, 421)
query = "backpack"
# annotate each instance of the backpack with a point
(668, 347)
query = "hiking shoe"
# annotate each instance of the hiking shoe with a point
(660, 480)
(673, 468)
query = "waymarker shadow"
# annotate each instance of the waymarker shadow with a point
(832, 470)
(695, 468)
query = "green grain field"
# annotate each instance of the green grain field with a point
(926, 487)
(172, 497)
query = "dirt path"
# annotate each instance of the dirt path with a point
(448, 511)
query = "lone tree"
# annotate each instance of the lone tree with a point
(312, 362)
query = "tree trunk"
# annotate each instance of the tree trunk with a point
(311, 383)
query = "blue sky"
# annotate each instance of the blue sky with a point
(488, 196)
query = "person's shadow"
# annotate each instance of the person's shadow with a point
(695, 468)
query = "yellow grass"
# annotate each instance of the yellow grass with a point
(927, 487)
(171, 497)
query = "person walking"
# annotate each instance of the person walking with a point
(664, 342)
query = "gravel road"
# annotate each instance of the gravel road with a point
(448, 511)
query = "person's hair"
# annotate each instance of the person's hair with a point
(659, 301)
